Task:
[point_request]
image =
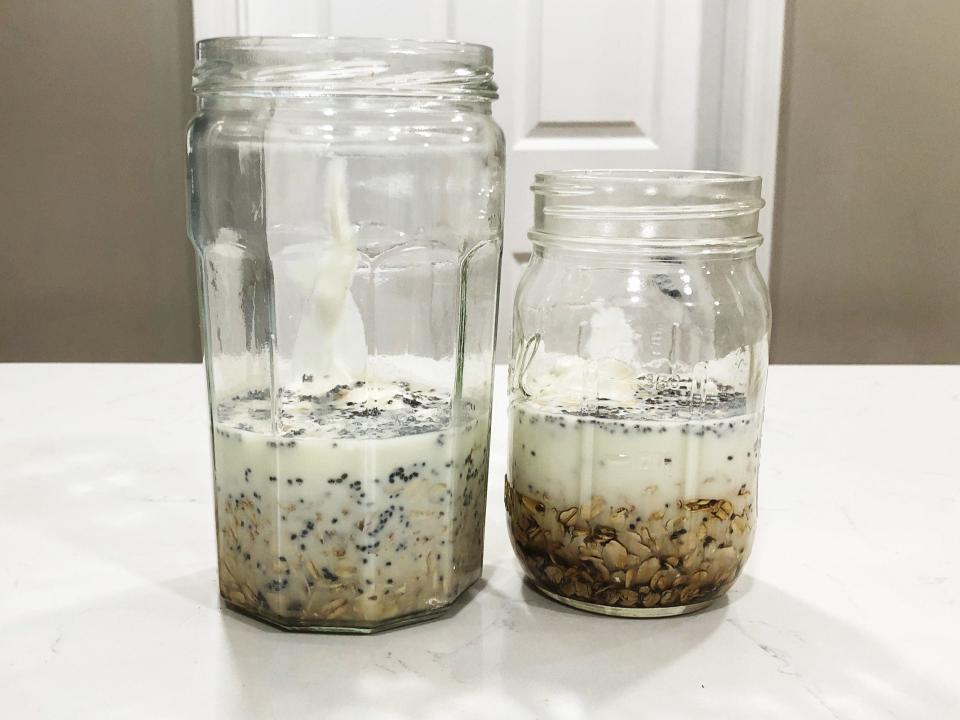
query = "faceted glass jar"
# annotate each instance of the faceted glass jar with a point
(640, 336)
(346, 202)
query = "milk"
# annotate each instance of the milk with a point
(644, 464)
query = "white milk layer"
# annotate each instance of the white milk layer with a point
(643, 463)
(611, 429)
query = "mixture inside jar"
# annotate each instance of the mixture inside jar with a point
(348, 507)
(634, 506)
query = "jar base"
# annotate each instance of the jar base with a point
(341, 627)
(624, 612)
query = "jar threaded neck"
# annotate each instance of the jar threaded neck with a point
(646, 208)
(312, 66)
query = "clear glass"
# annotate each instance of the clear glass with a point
(637, 379)
(346, 201)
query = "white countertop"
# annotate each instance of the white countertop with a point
(848, 607)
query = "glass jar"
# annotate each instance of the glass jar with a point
(346, 200)
(637, 379)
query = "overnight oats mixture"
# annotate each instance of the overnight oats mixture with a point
(646, 504)
(366, 505)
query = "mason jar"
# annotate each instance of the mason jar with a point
(640, 336)
(346, 203)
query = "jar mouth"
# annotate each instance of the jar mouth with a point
(646, 206)
(315, 66)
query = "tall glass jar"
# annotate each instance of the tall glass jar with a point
(346, 209)
(636, 389)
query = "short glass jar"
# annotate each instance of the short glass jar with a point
(346, 203)
(640, 342)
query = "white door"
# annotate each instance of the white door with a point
(609, 83)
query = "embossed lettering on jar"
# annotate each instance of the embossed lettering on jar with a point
(346, 209)
(637, 379)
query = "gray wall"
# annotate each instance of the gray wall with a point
(866, 255)
(94, 262)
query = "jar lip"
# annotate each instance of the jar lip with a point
(314, 65)
(641, 174)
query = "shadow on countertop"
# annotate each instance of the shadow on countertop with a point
(499, 657)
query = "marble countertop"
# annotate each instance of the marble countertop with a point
(848, 607)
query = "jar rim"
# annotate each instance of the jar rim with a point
(314, 65)
(645, 206)
(646, 187)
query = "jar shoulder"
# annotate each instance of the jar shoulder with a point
(687, 306)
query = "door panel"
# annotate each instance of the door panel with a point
(617, 86)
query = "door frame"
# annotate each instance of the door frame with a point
(749, 124)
